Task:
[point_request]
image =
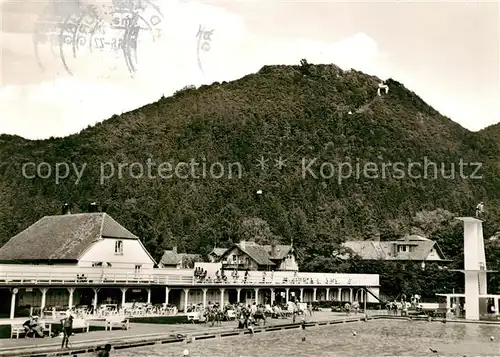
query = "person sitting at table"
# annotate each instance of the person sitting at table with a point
(28, 327)
(36, 327)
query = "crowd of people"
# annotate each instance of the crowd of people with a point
(201, 275)
(220, 276)
(249, 314)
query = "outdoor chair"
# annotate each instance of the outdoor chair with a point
(17, 329)
(231, 315)
(117, 321)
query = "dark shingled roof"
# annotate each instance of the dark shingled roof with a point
(218, 251)
(374, 250)
(172, 258)
(257, 253)
(280, 251)
(63, 237)
(262, 254)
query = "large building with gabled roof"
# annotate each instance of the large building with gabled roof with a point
(83, 239)
(89, 261)
(251, 256)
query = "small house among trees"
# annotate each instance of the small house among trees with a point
(410, 248)
(248, 255)
(216, 253)
(172, 259)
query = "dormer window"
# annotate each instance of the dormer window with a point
(119, 247)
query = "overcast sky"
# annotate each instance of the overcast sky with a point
(447, 52)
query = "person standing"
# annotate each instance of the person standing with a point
(355, 306)
(480, 210)
(67, 325)
(404, 309)
(347, 308)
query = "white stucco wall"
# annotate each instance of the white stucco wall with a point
(289, 264)
(433, 255)
(103, 250)
(376, 292)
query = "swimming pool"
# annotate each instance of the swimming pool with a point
(373, 338)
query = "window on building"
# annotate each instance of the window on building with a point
(412, 248)
(119, 247)
(138, 268)
(402, 248)
(234, 258)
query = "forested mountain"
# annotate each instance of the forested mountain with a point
(299, 113)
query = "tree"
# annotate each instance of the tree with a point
(305, 67)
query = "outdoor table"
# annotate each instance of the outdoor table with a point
(50, 322)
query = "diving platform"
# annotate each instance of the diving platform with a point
(475, 271)
(472, 270)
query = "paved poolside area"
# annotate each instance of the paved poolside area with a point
(144, 330)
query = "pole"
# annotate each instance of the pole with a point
(364, 301)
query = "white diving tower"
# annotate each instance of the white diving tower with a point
(476, 291)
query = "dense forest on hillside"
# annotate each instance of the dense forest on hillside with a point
(301, 112)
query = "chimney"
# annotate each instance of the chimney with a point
(242, 244)
(174, 249)
(66, 209)
(273, 249)
(93, 207)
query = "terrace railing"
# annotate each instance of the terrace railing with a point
(118, 276)
(259, 281)
(91, 278)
